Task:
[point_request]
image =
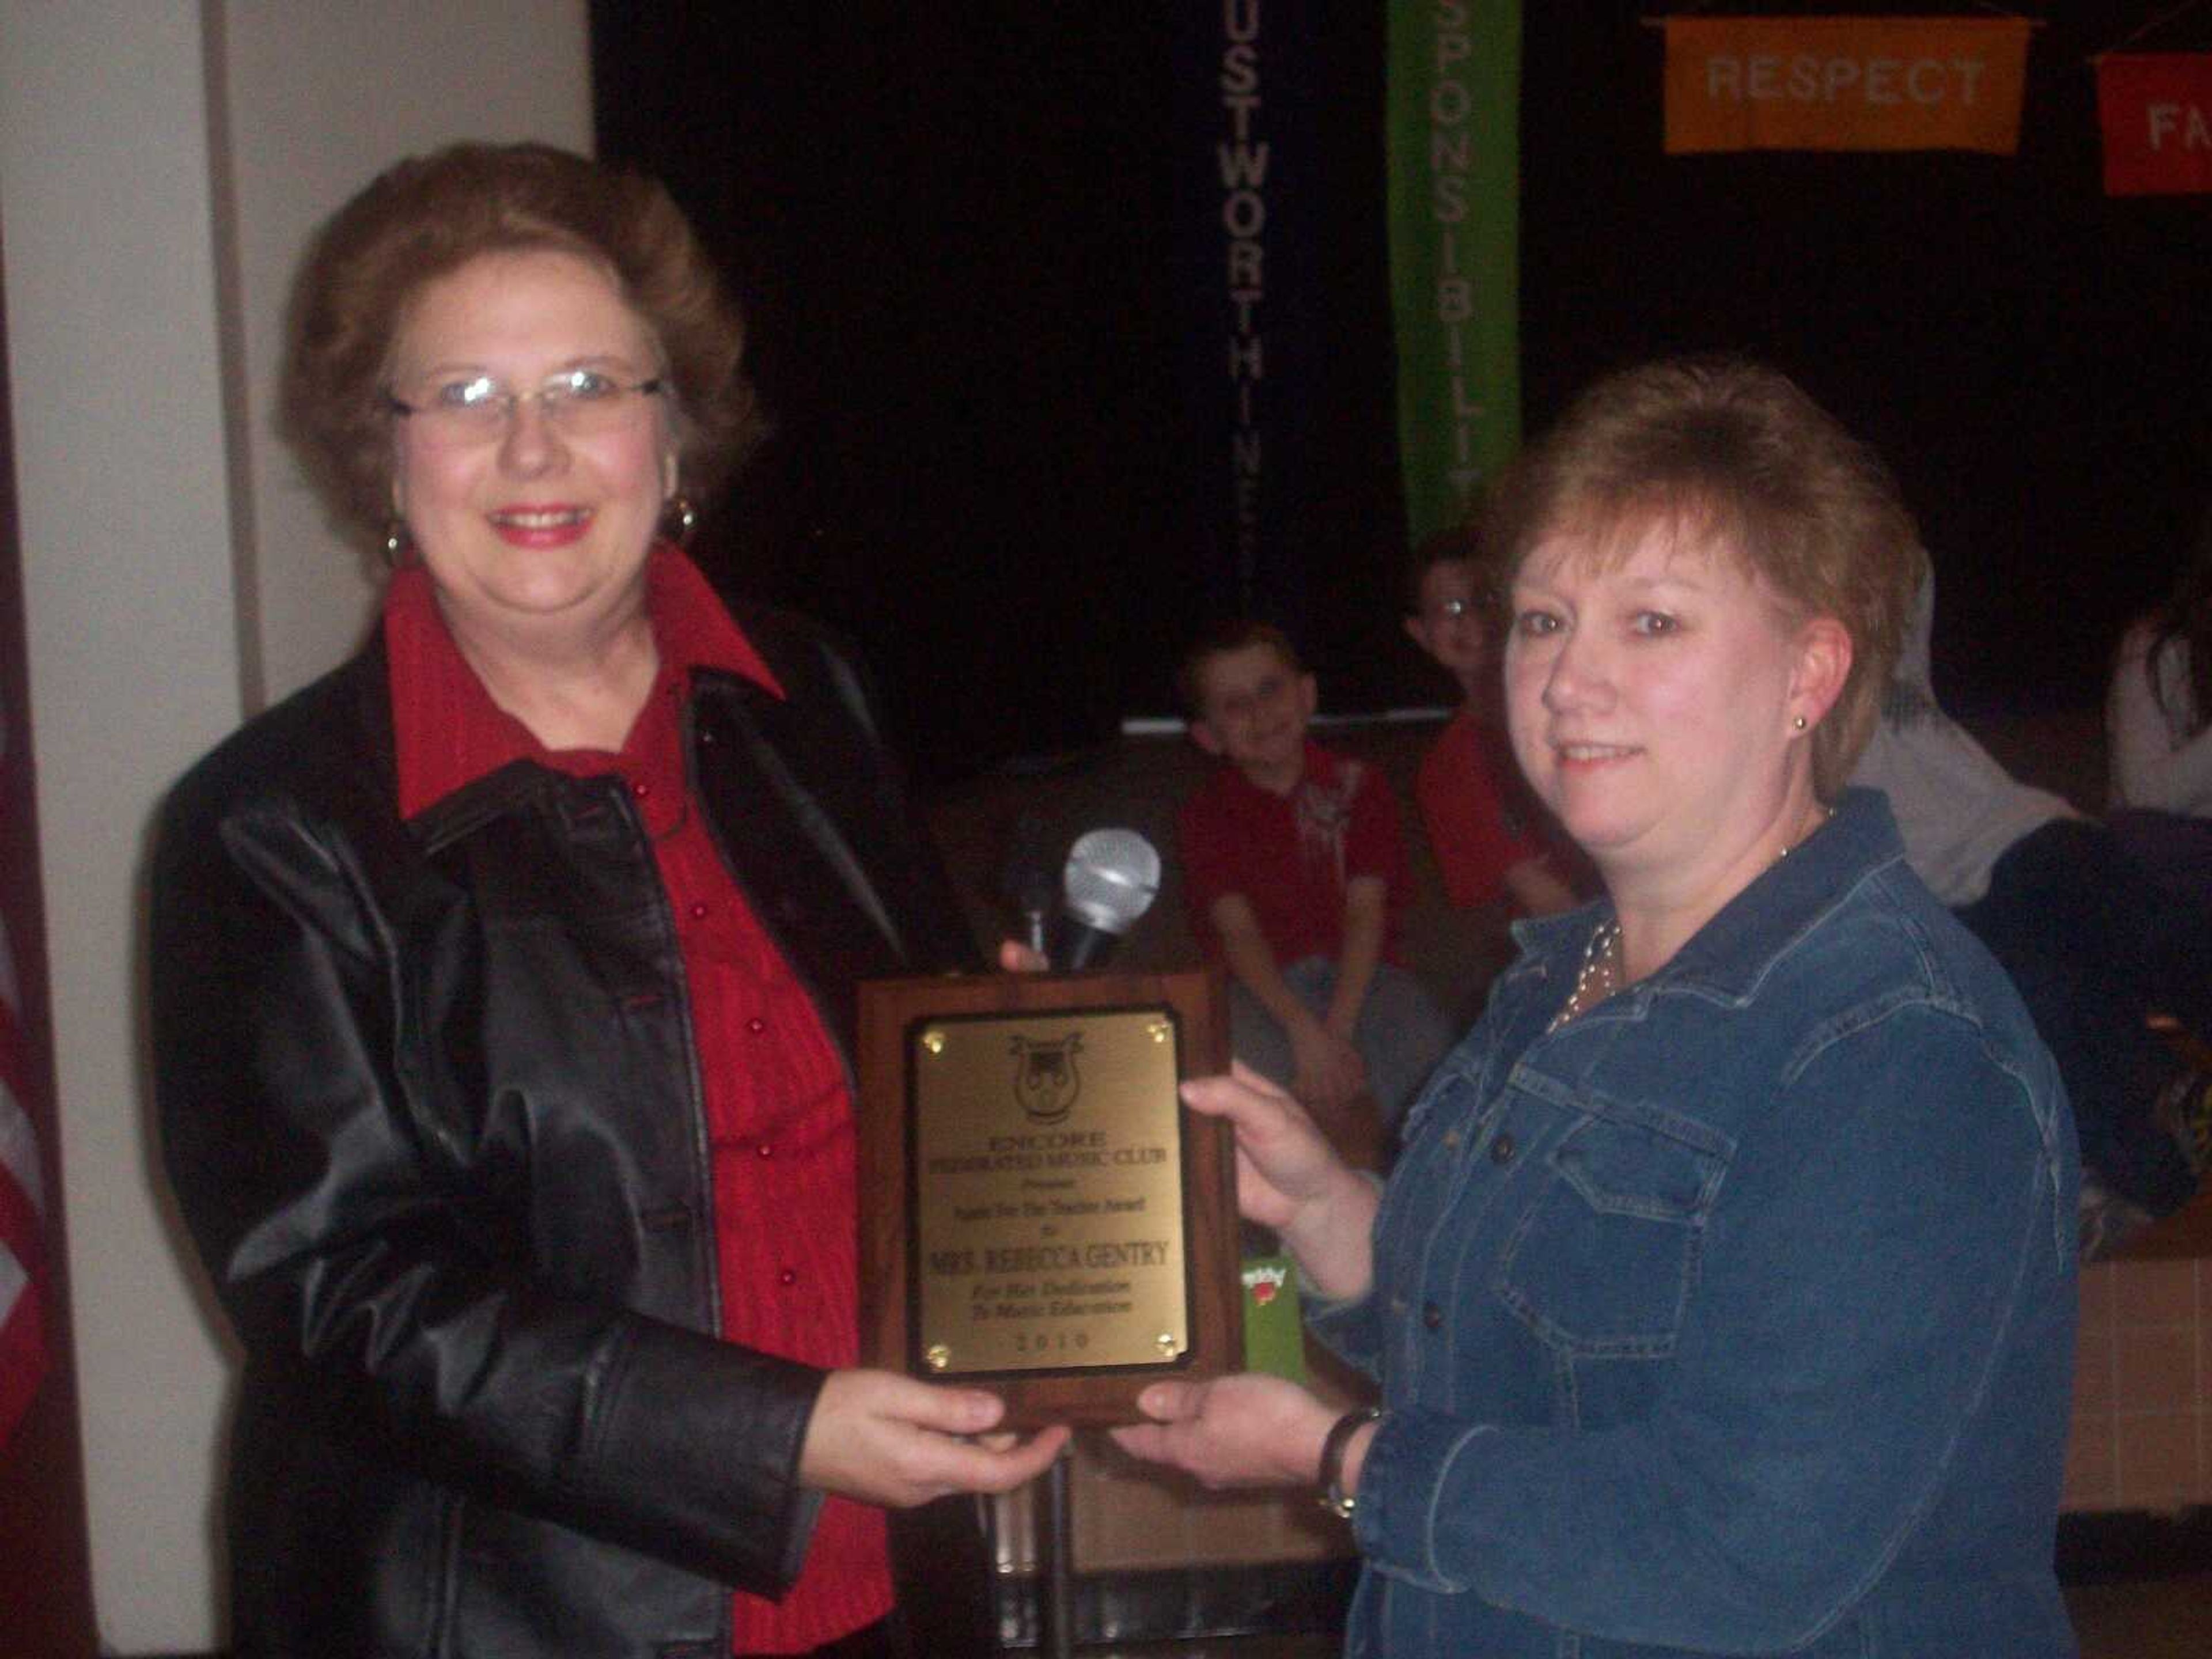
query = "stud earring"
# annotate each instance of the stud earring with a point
(1797, 724)
(679, 518)
(397, 544)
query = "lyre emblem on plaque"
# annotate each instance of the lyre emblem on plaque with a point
(1046, 1081)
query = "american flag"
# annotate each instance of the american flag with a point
(23, 1204)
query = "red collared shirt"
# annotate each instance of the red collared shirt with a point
(1293, 856)
(1481, 818)
(780, 1121)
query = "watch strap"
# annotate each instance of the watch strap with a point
(1333, 1497)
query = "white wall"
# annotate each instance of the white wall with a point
(161, 162)
(321, 97)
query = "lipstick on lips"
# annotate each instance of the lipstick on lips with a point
(552, 524)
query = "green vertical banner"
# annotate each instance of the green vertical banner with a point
(1454, 158)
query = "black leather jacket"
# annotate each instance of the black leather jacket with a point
(429, 1099)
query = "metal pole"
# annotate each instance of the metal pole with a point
(1055, 1573)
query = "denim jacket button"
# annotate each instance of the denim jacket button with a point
(1502, 1149)
(1451, 1139)
(1432, 1316)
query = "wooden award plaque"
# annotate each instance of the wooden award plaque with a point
(1040, 1214)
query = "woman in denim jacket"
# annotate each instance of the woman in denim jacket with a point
(1722, 1297)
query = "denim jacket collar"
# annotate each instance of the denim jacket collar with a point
(1728, 957)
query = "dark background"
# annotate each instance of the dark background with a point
(953, 223)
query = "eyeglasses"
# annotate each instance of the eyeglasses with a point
(577, 403)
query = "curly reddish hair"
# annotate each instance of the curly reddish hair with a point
(427, 216)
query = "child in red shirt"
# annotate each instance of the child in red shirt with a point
(1296, 878)
(1490, 837)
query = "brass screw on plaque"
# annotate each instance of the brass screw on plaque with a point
(1157, 1030)
(934, 1041)
(939, 1355)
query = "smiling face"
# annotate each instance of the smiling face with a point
(530, 535)
(1255, 706)
(1652, 702)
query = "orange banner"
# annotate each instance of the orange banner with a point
(1882, 83)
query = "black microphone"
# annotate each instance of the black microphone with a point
(1111, 878)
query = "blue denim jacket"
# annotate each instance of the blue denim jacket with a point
(1736, 1317)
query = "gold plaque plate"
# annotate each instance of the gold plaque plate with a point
(1047, 1204)
(1040, 1213)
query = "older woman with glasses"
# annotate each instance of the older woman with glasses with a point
(503, 989)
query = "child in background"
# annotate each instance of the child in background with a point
(1296, 877)
(1490, 837)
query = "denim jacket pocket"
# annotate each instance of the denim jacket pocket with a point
(1602, 1261)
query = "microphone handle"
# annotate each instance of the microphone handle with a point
(1078, 944)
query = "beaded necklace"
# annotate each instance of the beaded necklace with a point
(1600, 975)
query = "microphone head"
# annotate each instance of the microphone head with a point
(1111, 878)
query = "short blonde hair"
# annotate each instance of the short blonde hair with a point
(427, 216)
(1736, 458)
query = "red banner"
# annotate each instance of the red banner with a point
(2156, 111)
(22, 1209)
